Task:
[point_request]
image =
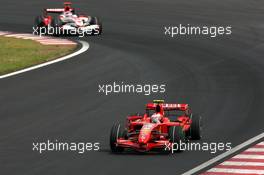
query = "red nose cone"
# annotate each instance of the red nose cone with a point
(143, 138)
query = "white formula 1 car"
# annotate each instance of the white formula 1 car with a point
(67, 22)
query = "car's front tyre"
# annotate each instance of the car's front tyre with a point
(96, 21)
(176, 137)
(116, 133)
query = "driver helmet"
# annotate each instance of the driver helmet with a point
(156, 118)
(67, 6)
(67, 14)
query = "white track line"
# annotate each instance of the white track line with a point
(85, 47)
(226, 154)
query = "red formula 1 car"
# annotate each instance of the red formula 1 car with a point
(59, 21)
(156, 129)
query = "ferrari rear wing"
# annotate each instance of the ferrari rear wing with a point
(168, 107)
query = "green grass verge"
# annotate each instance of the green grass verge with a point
(16, 54)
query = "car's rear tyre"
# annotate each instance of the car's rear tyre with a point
(117, 132)
(196, 127)
(176, 137)
(39, 21)
(39, 24)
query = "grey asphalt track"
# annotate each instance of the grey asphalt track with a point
(221, 78)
